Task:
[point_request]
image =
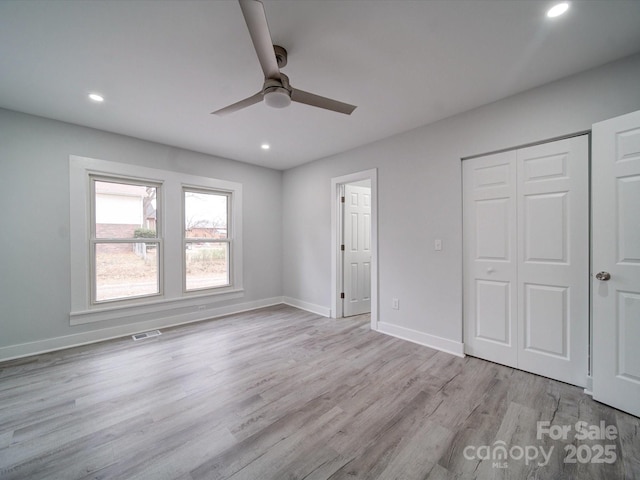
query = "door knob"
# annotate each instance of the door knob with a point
(604, 276)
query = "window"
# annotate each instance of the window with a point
(125, 246)
(206, 239)
(151, 244)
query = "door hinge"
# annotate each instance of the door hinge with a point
(342, 295)
(342, 247)
(342, 199)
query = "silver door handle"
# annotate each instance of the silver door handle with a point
(604, 276)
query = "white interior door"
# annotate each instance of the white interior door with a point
(357, 250)
(616, 251)
(553, 259)
(526, 258)
(490, 292)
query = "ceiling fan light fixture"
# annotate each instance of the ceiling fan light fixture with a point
(277, 97)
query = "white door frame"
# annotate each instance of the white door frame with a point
(336, 241)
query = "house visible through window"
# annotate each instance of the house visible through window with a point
(125, 245)
(207, 242)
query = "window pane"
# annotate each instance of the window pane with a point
(124, 210)
(205, 215)
(207, 264)
(125, 270)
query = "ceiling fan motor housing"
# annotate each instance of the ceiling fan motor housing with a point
(281, 55)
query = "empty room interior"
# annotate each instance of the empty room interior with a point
(279, 239)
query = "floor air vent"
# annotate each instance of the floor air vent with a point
(142, 336)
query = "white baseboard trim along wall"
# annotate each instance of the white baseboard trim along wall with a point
(59, 343)
(309, 307)
(438, 343)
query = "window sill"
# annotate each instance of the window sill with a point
(168, 308)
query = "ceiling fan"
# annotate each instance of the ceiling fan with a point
(276, 91)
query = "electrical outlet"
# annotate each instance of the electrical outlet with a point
(437, 244)
(201, 307)
(395, 304)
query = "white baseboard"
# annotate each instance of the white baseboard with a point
(309, 307)
(68, 341)
(432, 341)
(59, 343)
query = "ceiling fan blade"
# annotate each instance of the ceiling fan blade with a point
(254, 15)
(247, 102)
(314, 100)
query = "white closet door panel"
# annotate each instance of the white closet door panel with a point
(489, 257)
(553, 259)
(545, 229)
(546, 320)
(493, 311)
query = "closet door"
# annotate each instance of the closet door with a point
(526, 258)
(553, 259)
(490, 291)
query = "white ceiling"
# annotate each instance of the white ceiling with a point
(164, 65)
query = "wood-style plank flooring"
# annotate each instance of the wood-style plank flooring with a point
(279, 393)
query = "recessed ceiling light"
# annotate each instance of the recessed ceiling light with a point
(558, 10)
(96, 98)
(265, 146)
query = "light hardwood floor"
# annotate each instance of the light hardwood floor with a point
(279, 393)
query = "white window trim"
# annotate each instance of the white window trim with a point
(173, 300)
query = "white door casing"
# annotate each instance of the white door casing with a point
(526, 258)
(337, 184)
(357, 250)
(616, 250)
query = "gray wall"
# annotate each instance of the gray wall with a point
(34, 218)
(419, 200)
(419, 194)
